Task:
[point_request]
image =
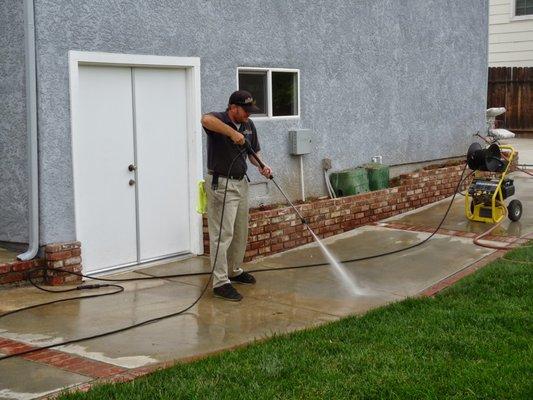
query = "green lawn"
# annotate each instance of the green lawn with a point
(473, 340)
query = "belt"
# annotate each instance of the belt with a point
(236, 177)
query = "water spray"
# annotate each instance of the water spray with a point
(339, 270)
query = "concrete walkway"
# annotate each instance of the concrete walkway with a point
(282, 301)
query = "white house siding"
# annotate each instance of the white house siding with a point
(510, 39)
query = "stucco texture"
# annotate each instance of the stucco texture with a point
(13, 147)
(401, 79)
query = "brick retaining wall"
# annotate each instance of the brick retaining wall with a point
(17, 271)
(272, 231)
(66, 256)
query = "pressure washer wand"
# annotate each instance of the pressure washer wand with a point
(271, 177)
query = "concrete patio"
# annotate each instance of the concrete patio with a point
(282, 301)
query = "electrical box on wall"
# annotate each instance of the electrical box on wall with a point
(300, 141)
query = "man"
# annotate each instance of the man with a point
(226, 134)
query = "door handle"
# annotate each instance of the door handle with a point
(132, 167)
(132, 182)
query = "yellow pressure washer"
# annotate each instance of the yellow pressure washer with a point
(484, 199)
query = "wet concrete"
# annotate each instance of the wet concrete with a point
(456, 220)
(282, 300)
(21, 379)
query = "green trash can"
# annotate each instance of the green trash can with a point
(349, 182)
(378, 176)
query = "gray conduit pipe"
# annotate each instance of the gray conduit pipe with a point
(331, 192)
(31, 128)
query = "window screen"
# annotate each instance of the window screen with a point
(284, 93)
(256, 83)
(524, 7)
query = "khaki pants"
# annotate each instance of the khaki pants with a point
(234, 227)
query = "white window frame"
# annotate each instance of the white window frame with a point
(515, 17)
(269, 71)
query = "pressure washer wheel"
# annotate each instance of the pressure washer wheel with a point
(514, 210)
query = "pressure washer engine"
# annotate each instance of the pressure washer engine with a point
(482, 190)
(484, 200)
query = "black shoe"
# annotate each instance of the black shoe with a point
(245, 278)
(227, 292)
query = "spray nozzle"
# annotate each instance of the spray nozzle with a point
(93, 286)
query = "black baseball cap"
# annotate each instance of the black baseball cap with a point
(244, 99)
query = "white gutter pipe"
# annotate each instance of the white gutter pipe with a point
(31, 128)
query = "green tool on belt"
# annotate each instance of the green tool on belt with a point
(201, 207)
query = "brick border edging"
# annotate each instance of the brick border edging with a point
(457, 276)
(443, 231)
(470, 269)
(62, 360)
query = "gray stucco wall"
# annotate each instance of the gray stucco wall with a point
(13, 157)
(403, 79)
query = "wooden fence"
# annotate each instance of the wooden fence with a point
(512, 88)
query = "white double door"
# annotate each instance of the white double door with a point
(130, 158)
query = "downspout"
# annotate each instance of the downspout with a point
(31, 128)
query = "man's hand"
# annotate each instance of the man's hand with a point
(212, 123)
(237, 138)
(266, 172)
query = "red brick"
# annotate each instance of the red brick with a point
(60, 247)
(12, 277)
(55, 280)
(22, 266)
(289, 245)
(4, 268)
(263, 236)
(296, 235)
(271, 227)
(333, 228)
(256, 231)
(60, 255)
(72, 278)
(256, 245)
(264, 250)
(277, 247)
(73, 261)
(55, 264)
(277, 233)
